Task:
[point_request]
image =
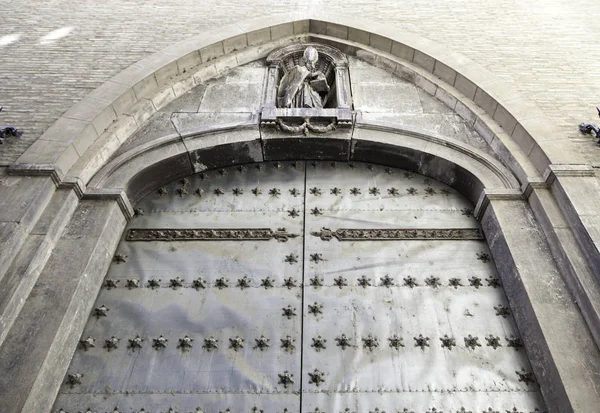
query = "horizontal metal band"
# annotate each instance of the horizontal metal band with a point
(209, 234)
(327, 234)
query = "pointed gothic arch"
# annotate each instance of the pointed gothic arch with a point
(531, 183)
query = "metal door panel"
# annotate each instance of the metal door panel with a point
(188, 298)
(180, 403)
(420, 402)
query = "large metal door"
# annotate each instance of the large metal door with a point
(306, 286)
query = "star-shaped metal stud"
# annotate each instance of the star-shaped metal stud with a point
(89, 342)
(340, 282)
(237, 191)
(433, 282)
(132, 283)
(493, 341)
(101, 311)
(364, 282)
(289, 312)
(410, 282)
(294, 192)
(514, 342)
(475, 282)
(160, 342)
(154, 283)
(291, 258)
(176, 283)
(370, 342)
(262, 343)
(267, 283)
(355, 191)
(343, 341)
(318, 343)
(289, 283)
(294, 213)
(316, 281)
(315, 308)
(429, 191)
(395, 341)
(316, 377)
(315, 191)
(244, 282)
(316, 211)
(454, 282)
(286, 379)
(287, 344)
(502, 311)
(210, 344)
(525, 376)
(110, 283)
(393, 191)
(198, 284)
(483, 257)
(421, 341)
(448, 342)
(472, 342)
(221, 283)
(218, 192)
(112, 343)
(374, 191)
(316, 257)
(412, 191)
(236, 343)
(135, 343)
(256, 191)
(336, 191)
(185, 343)
(387, 281)
(493, 282)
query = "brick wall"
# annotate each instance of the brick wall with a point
(548, 50)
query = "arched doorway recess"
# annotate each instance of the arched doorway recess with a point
(302, 285)
(81, 191)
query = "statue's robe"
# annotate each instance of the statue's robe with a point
(295, 89)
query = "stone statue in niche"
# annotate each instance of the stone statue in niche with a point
(304, 86)
(307, 90)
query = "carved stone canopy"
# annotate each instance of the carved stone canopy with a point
(311, 95)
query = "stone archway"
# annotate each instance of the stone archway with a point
(542, 245)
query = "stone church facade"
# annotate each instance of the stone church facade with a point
(406, 231)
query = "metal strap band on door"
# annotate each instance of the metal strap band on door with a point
(281, 235)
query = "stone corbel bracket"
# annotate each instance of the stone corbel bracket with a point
(341, 116)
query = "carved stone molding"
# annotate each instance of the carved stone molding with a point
(327, 234)
(209, 234)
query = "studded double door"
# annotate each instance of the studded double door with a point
(306, 286)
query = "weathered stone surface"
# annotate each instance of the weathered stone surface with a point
(35, 354)
(563, 354)
(29, 262)
(187, 123)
